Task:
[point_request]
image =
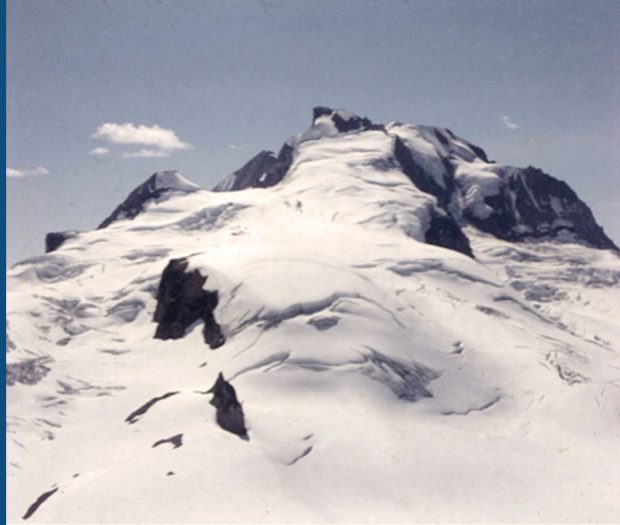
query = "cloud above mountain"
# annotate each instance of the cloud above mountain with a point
(99, 151)
(157, 141)
(508, 122)
(15, 173)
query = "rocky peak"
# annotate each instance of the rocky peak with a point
(343, 120)
(170, 180)
(262, 171)
(267, 169)
(154, 188)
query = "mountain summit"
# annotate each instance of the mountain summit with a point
(510, 203)
(377, 323)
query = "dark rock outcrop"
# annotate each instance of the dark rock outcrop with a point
(39, 501)
(444, 231)
(229, 413)
(55, 240)
(422, 180)
(533, 205)
(139, 412)
(263, 171)
(480, 153)
(176, 441)
(181, 301)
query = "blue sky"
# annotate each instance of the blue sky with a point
(202, 86)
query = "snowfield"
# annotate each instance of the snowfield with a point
(382, 378)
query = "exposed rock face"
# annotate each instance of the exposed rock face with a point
(55, 240)
(154, 188)
(478, 151)
(532, 204)
(262, 171)
(181, 301)
(229, 413)
(420, 178)
(444, 231)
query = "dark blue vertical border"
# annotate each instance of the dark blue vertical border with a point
(3, 253)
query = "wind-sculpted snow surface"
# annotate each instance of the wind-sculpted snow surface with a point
(374, 375)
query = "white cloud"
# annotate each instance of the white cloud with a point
(232, 146)
(10, 172)
(98, 152)
(509, 123)
(145, 154)
(40, 170)
(154, 137)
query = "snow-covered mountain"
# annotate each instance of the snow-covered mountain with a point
(377, 324)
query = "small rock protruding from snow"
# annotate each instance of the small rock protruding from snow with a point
(55, 240)
(176, 441)
(229, 412)
(39, 501)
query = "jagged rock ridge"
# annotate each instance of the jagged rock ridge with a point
(532, 204)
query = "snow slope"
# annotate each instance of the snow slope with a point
(382, 378)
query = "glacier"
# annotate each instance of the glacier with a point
(414, 333)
